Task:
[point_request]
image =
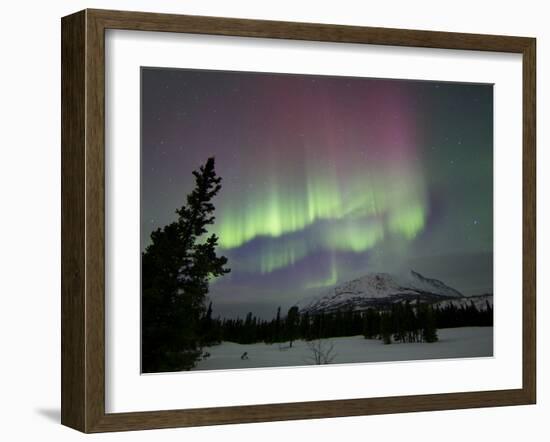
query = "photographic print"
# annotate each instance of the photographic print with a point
(305, 220)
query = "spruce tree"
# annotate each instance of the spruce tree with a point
(278, 326)
(429, 331)
(291, 324)
(176, 268)
(386, 328)
(305, 326)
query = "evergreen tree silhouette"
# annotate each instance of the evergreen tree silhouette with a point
(429, 330)
(278, 325)
(176, 268)
(386, 328)
(291, 324)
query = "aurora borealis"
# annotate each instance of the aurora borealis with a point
(324, 178)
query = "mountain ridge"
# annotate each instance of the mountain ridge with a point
(377, 290)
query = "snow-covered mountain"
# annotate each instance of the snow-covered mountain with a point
(379, 289)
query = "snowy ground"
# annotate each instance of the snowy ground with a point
(453, 343)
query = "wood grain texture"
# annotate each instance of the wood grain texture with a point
(83, 220)
(73, 129)
(529, 221)
(144, 21)
(95, 222)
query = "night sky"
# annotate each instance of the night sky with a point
(324, 178)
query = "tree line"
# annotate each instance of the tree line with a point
(400, 322)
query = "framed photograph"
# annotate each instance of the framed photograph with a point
(271, 220)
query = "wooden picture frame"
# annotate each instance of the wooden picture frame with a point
(83, 220)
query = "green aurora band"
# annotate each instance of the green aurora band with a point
(328, 211)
